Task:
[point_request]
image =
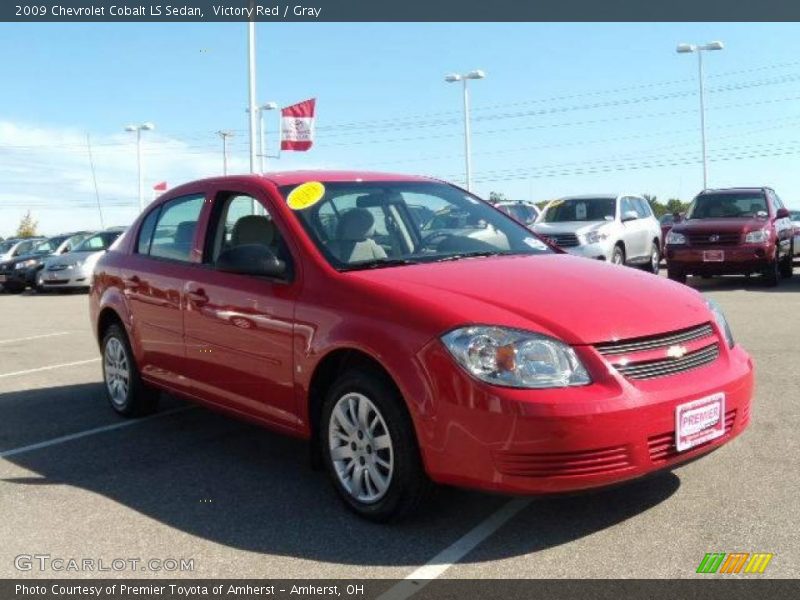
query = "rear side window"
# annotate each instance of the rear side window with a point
(174, 231)
(146, 232)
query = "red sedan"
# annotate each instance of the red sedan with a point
(413, 334)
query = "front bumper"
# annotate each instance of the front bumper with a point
(738, 260)
(77, 277)
(599, 251)
(548, 441)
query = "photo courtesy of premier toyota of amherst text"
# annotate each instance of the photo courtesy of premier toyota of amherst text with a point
(449, 300)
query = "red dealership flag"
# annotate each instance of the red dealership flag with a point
(297, 126)
(160, 187)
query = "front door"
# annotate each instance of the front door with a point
(239, 328)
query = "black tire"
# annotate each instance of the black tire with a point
(408, 484)
(787, 264)
(676, 275)
(12, 288)
(772, 273)
(653, 265)
(138, 399)
(618, 255)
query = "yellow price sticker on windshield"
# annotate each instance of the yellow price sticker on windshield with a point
(305, 195)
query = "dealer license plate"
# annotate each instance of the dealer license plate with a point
(713, 255)
(699, 421)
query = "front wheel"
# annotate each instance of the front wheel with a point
(655, 259)
(772, 273)
(369, 447)
(787, 266)
(618, 255)
(126, 392)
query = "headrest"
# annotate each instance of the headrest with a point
(253, 229)
(184, 233)
(355, 225)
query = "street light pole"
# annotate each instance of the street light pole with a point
(262, 144)
(453, 77)
(138, 129)
(251, 80)
(699, 50)
(225, 135)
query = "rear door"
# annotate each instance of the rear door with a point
(164, 258)
(239, 328)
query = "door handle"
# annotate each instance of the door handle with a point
(197, 297)
(132, 283)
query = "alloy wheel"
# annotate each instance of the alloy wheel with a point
(361, 448)
(117, 371)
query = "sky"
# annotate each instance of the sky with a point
(564, 109)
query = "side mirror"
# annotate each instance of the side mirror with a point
(783, 213)
(251, 259)
(629, 215)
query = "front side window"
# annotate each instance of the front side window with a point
(743, 205)
(641, 207)
(580, 209)
(240, 219)
(174, 231)
(368, 224)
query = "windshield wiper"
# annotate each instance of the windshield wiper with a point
(478, 254)
(380, 263)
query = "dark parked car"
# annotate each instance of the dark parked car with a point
(22, 271)
(736, 231)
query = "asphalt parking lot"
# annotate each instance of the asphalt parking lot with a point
(241, 501)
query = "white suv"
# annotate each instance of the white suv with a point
(620, 229)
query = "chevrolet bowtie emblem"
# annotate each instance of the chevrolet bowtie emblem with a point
(676, 351)
(713, 238)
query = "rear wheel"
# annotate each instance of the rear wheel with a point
(126, 391)
(369, 447)
(655, 259)
(676, 275)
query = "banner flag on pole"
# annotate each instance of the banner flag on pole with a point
(160, 187)
(297, 126)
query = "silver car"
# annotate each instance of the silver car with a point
(73, 270)
(619, 229)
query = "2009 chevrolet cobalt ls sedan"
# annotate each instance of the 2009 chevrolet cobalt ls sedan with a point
(414, 334)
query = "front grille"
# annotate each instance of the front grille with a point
(714, 239)
(56, 267)
(652, 342)
(662, 447)
(564, 464)
(650, 369)
(563, 240)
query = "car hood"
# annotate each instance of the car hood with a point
(577, 300)
(576, 227)
(720, 225)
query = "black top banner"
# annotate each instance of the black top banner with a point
(398, 10)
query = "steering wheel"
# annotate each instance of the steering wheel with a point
(435, 239)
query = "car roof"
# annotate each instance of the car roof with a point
(595, 197)
(281, 178)
(734, 190)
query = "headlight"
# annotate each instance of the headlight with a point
(757, 237)
(675, 238)
(721, 321)
(594, 237)
(515, 358)
(26, 263)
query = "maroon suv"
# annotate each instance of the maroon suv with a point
(737, 231)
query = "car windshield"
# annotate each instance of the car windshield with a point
(580, 209)
(667, 219)
(728, 206)
(360, 225)
(48, 246)
(97, 242)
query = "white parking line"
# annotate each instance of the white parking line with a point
(452, 554)
(49, 367)
(35, 337)
(88, 432)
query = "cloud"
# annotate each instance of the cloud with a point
(47, 171)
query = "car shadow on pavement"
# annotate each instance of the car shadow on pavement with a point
(239, 485)
(740, 282)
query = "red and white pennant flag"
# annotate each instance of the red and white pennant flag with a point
(297, 126)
